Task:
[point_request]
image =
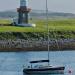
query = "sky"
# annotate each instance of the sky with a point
(67, 6)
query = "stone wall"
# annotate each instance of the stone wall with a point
(21, 44)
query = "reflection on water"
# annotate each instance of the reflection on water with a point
(49, 74)
(12, 63)
(45, 74)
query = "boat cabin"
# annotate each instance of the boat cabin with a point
(39, 61)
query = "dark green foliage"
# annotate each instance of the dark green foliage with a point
(37, 35)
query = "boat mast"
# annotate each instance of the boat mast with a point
(47, 29)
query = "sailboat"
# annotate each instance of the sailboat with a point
(44, 69)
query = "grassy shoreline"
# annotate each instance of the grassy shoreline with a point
(58, 29)
(54, 25)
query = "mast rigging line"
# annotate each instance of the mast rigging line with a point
(47, 28)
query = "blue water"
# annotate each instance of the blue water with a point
(12, 63)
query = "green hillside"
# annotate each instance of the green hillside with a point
(54, 25)
(57, 29)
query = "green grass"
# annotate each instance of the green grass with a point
(54, 25)
(19, 29)
(5, 21)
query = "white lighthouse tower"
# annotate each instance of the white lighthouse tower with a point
(23, 12)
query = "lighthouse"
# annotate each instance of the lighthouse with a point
(23, 12)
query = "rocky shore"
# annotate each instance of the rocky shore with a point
(36, 45)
